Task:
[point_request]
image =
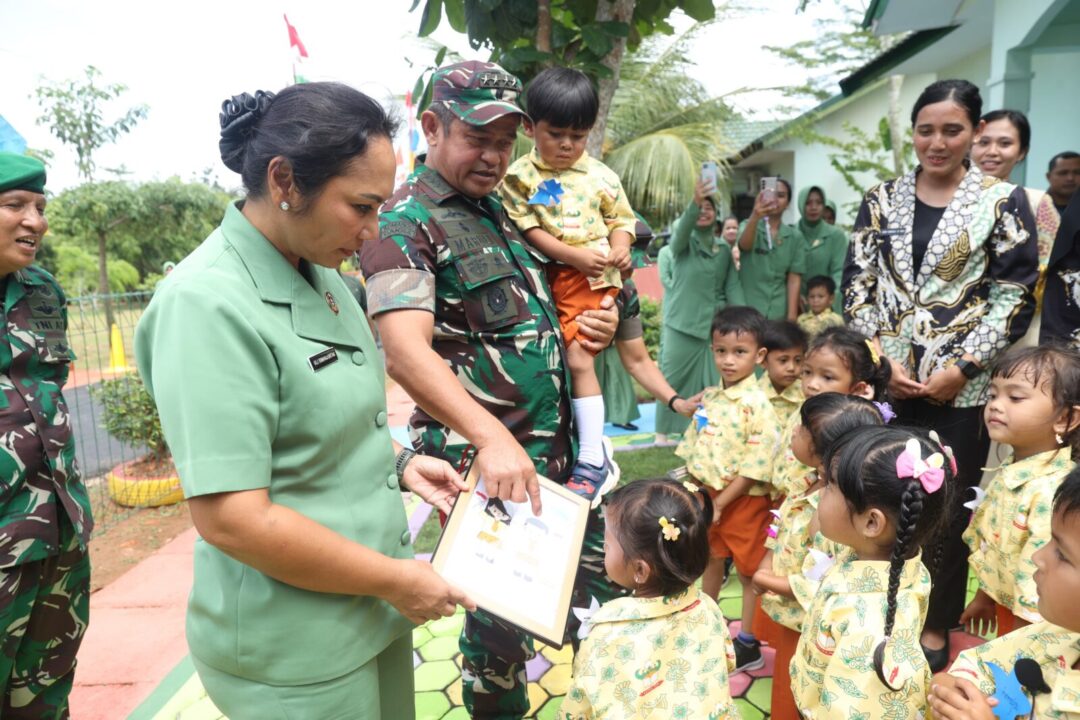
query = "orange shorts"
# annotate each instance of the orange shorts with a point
(740, 534)
(573, 296)
(785, 641)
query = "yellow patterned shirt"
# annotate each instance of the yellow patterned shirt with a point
(666, 657)
(785, 403)
(593, 204)
(739, 437)
(813, 324)
(1056, 650)
(832, 671)
(791, 549)
(790, 477)
(1013, 522)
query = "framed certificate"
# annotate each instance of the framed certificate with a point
(515, 565)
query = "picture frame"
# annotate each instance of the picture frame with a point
(516, 566)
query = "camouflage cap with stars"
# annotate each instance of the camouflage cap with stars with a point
(476, 92)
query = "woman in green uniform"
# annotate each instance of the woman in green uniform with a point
(271, 396)
(773, 257)
(826, 245)
(703, 279)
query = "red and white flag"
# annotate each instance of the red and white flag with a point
(299, 52)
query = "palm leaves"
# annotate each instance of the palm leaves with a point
(662, 126)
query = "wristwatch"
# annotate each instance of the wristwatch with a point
(400, 462)
(968, 368)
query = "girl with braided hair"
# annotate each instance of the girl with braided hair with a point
(885, 497)
(787, 577)
(659, 647)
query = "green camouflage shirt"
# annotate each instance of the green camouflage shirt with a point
(495, 323)
(38, 473)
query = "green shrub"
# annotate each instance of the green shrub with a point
(650, 320)
(130, 415)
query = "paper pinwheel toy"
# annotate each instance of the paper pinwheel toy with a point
(1012, 701)
(549, 193)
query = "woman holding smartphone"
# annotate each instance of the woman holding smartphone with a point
(700, 279)
(773, 255)
(940, 275)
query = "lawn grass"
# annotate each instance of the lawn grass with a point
(634, 464)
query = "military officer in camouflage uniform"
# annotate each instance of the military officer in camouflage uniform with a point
(470, 331)
(44, 509)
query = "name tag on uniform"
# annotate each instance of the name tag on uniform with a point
(321, 359)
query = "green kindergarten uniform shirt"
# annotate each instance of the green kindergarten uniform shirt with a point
(267, 377)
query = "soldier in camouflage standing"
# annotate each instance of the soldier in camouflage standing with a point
(471, 333)
(44, 509)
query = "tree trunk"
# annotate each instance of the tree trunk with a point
(896, 128)
(619, 11)
(543, 25)
(103, 280)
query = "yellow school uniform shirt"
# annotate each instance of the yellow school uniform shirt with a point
(814, 324)
(832, 671)
(790, 477)
(665, 657)
(1056, 650)
(739, 438)
(1013, 522)
(785, 403)
(791, 548)
(592, 206)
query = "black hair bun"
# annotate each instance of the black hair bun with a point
(239, 116)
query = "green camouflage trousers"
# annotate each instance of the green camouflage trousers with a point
(44, 609)
(494, 686)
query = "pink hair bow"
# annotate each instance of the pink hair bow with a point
(929, 472)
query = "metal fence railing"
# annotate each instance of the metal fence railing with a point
(105, 353)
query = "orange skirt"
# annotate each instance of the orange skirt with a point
(1006, 621)
(784, 641)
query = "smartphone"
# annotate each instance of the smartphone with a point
(768, 187)
(710, 173)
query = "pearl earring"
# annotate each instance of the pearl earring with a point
(284, 206)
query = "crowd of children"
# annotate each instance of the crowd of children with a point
(795, 473)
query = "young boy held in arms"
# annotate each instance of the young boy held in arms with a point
(573, 209)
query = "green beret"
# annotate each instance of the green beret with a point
(21, 172)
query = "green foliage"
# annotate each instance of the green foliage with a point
(144, 224)
(863, 158)
(579, 38)
(663, 124)
(76, 270)
(840, 46)
(73, 110)
(650, 321)
(130, 415)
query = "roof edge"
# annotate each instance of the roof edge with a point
(886, 61)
